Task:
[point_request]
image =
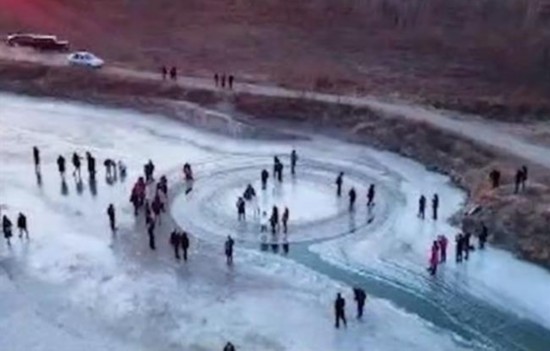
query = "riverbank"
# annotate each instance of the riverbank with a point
(518, 222)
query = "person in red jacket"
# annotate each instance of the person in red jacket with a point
(434, 258)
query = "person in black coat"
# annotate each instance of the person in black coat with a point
(22, 225)
(422, 207)
(352, 197)
(112, 218)
(6, 228)
(370, 196)
(340, 311)
(264, 176)
(339, 182)
(175, 241)
(61, 165)
(229, 347)
(151, 233)
(360, 296)
(229, 250)
(435, 206)
(184, 241)
(36, 157)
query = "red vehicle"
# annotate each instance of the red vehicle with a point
(38, 42)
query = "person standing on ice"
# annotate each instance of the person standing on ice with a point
(279, 166)
(275, 163)
(229, 250)
(422, 206)
(274, 220)
(61, 165)
(352, 197)
(22, 225)
(264, 222)
(112, 218)
(293, 160)
(76, 164)
(249, 192)
(435, 206)
(284, 219)
(151, 233)
(122, 169)
(459, 247)
(90, 161)
(6, 228)
(175, 241)
(483, 235)
(241, 209)
(442, 242)
(229, 347)
(110, 169)
(340, 311)
(264, 176)
(157, 206)
(360, 297)
(370, 196)
(339, 181)
(466, 246)
(434, 258)
(36, 157)
(184, 242)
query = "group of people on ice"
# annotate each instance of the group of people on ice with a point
(422, 207)
(7, 227)
(360, 298)
(463, 247)
(352, 194)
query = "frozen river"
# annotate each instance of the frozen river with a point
(75, 286)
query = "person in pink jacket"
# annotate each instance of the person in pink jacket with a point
(434, 258)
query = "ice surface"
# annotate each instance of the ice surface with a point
(74, 284)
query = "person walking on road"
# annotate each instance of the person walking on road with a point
(340, 311)
(360, 297)
(339, 182)
(229, 250)
(22, 225)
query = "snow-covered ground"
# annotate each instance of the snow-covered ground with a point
(75, 286)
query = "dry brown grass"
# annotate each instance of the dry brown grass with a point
(484, 50)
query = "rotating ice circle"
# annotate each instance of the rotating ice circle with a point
(209, 210)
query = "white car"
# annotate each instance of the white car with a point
(83, 58)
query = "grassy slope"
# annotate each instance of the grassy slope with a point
(451, 52)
